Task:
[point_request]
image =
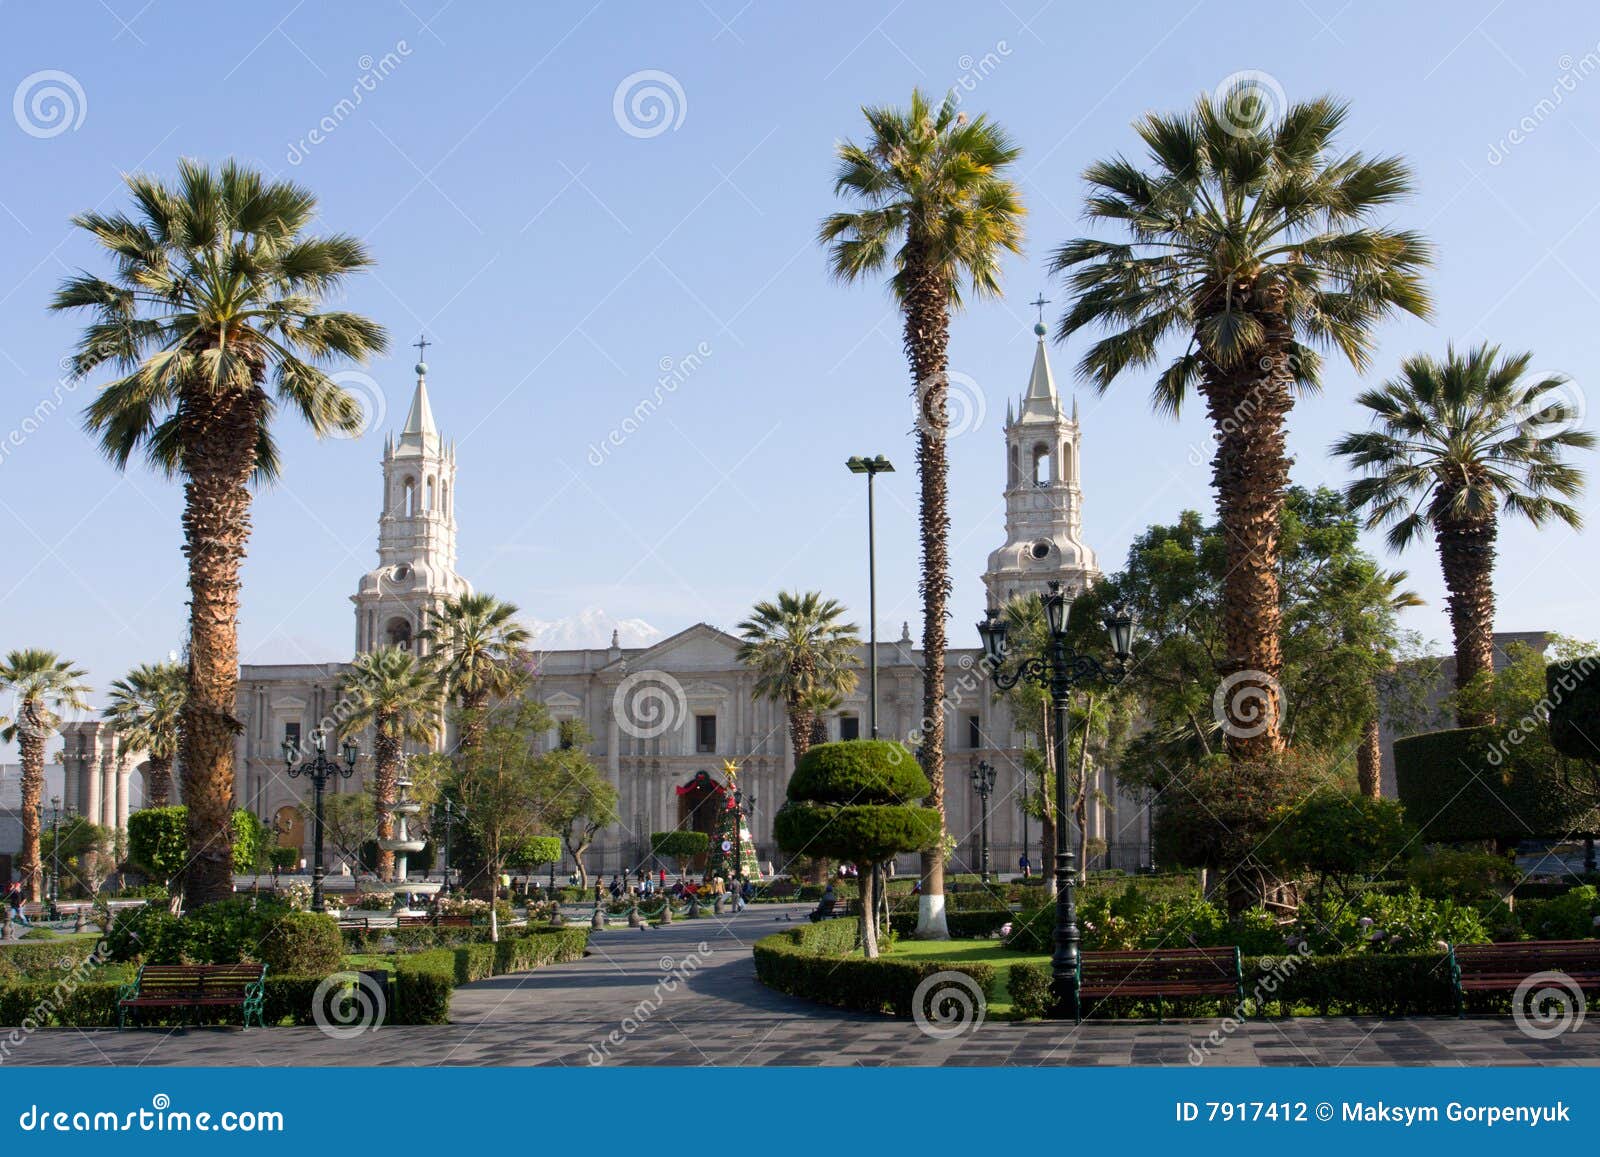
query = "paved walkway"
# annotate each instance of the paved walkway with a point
(687, 995)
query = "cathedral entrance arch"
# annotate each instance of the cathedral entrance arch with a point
(700, 802)
(291, 828)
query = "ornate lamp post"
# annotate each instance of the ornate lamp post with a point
(55, 849)
(872, 467)
(983, 784)
(320, 769)
(1058, 672)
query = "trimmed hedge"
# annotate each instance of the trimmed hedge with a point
(1481, 783)
(93, 1004)
(861, 834)
(41, 960)
(789, 961)
(424, 981)
(860, 772)
(963, 925)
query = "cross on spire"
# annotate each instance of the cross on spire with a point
(421, 344)
(1040, 302)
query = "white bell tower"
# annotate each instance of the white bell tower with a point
(1043, 499)
(416, 531)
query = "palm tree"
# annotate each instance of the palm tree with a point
(479, 649)
(145, 709)
(819, 703)
(1456, 442)
(397, 695)
(42, 686)
(802, 654)
(217, 291)
(1254, 242)
(936, 207)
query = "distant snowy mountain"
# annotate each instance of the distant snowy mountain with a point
(590, 628)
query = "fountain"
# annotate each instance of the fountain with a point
(402, 843)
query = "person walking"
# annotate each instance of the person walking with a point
(14, 899)
(1025, 867)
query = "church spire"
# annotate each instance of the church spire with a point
(419, 427)
(1040, 400)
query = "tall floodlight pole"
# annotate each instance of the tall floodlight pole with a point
(872, 467)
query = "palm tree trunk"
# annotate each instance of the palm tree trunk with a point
(1248, 405)
(219, 436)
(1369, 760)
(473, 722)
(1466, 555)
(386, 771)
(31, 742)
(926, 340)
(800, 728)
(160, 781)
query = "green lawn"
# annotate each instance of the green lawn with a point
(984, 951)
(356, 961)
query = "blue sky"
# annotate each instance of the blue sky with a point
(557, 261)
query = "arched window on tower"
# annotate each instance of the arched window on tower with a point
(398, 634)
(1066, 461)
(444, 499)
(1011, 469)
(428, 500)
(410, 485)
(1041, 465)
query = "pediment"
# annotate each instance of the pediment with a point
(698, 648)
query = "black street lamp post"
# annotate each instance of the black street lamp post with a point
(55, 850)
(872, 467)
(983, 784)
(1058, 672)
(320, 769)
(449, 820)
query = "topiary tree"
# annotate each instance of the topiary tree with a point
(1337, 836)
(525, 853)
(158, 844)
(857, 800)
(679, 846)
(1573, 691)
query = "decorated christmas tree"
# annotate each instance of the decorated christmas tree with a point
(732, 852)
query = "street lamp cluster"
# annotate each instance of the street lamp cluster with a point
(320, 769)
(1058, 671)
(983, 784)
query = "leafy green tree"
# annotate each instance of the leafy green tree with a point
(934, 203)
(679, 846)
(146, 708)
(42, 686)
(399, 697)
(212, 321)
(85, 852)
(158, 844)
(581, 800)
(1337, 837)
(1455, 443)
(1252, 242)
(858, 800)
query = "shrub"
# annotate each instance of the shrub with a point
(859, 833)
(1378, 922)
(1573, 692)
(553, 946)
(679, 846)
(859, 771)
(423, 983)
(243, 928)
(1131, 918)
(1335, 834)
(34, 961)
(299, 944)
(1031, 994)
(1445, 873)
(1481, 783)
(1572, 916)
(787, 962)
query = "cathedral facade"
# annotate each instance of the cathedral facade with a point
(663, 713)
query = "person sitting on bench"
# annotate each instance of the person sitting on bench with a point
(824, 909)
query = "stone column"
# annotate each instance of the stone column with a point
(124, 772)
(91, 782)
(108, 785)
(70, 764)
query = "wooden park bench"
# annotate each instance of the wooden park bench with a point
(1505, 967)
(193, 987)
(1161, 973)
(362, 923)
